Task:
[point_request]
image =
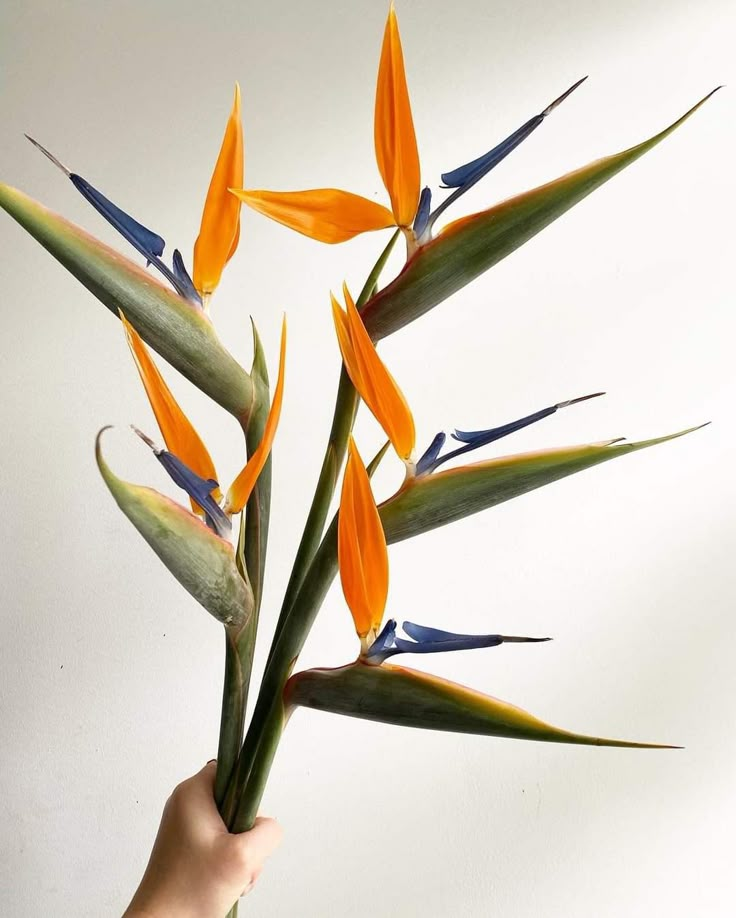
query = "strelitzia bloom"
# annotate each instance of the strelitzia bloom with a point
(186, 458)
(331, 215)
(381, 393)
(363, 564)
(220, 228)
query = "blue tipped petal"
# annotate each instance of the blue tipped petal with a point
(473, 171)
(464, 177)
(383, 645)
(427, 460)
(188, 289)
(468, 643)
(434, 640)
(473, 439)
(421, 221)
(198, 488)
(148, 243)
(145, 240)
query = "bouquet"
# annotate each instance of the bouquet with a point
(214, 538)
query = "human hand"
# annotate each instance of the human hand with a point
(197, 868)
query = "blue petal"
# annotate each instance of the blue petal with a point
(426, 461)
(148, 243)
(383, 644)
(145, 240)
(188, 289)
(422, 218)
(464, 177)
(199, 489)
(473, 171)
(473, 439)
(434, 640)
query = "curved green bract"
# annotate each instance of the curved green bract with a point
(202, 562)
(180, 332)
(407, 698)
(444, 497)
(469, 246)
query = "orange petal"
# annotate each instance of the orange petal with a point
(396, 143)
(241, 488)
(361, 548)
(220, 228)
(375, 385)
(176, 428)
(324, 214)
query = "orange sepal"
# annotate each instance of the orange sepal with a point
(220, 228)
(242, 487)
(375, 385)
(361, 548)
(324, 214)
(179, 435)
(396, 143)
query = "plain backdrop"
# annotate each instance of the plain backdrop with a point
(110, 674)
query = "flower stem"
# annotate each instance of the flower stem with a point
(266, 726)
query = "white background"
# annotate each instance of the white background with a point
(110, 674)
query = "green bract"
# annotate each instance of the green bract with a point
(202, 562)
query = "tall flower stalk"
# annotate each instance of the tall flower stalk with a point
(216, 545)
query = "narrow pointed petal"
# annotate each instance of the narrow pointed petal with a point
(242, 487)
(325, 214)
(421, 221)
(200, 560)
(466, 176)
(395, 695)
(181, 334)
(424, 633)
(179, 435)
(375, 385)
(450, 495)
(474, 439)
(361, 548)
(428, 460)
(219, 230)
(200, 490)
(434, 640)
(148, 243)
(469, 246)
(396, 144)
(186, 284)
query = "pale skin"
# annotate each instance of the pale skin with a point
(197, 869)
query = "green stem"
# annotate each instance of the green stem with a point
(232, 718)
(251, 557)
(267, 721)
(346, 404)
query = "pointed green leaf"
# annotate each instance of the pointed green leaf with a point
(450, 495)
(472, 245)
(202, 562)
(407, 698)
(178, 330)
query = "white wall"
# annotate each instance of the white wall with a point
(110, 674)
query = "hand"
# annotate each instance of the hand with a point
(197, 868)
